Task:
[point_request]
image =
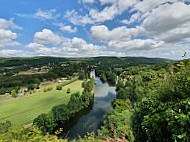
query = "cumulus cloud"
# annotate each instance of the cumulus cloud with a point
(68, 47)
(42, 14)
(170, 27)
(4, 24)
(46, 36)
(13, 53)
(7, 37)
(136, 44)
(101, 33)
(77, 19)
(95, 16)
(161, 24)
(67, 28)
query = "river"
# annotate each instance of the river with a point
(91, 119)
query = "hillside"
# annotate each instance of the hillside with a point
(41, 61)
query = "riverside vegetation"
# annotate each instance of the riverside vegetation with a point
(152, 104)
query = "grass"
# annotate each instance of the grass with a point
(23, 111)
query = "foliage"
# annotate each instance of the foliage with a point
(34, 90)
(48, 89)
(45, 122)
(59, 87)
(13, 93)
(69, 81)
(62, 113)
(68, 90)
(165, 117)
(121, 104)
(4, 127)
(117, 125)
(28, 134)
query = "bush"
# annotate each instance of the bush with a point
(59, 87)
(47, 89)
(4, 127)
(68, 90)
(13, 93)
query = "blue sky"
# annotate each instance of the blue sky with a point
(87, 28)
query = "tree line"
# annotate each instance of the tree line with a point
(62, 113)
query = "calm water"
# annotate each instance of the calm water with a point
(91, 119)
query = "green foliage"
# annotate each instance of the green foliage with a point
(84, 84)
(45, 122)
(59, 87)
(48, 89)
(4, 127)
(121, 104)
(34, 90)
(165, 117)
(32, 134)
(69, 81)
(68, 90)
(117, 124)
(62, 113)
(13, 93)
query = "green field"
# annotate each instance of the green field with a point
(23, 111)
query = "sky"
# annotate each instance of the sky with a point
(89, 28)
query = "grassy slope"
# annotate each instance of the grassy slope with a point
(24, 110)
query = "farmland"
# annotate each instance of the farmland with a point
(22, 111)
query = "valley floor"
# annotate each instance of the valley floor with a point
(23, 110)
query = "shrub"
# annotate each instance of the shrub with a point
(68, 90)
(13, 93)
(59, 87)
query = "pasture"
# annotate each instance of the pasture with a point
(22, 111)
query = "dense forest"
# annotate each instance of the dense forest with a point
(152, 104)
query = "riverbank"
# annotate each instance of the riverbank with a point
(90, 119)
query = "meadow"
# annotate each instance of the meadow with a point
(22, 111)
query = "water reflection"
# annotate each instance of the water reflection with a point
(91, 119)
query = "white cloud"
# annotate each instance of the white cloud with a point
(4, 24)
(43, 15)
(108, 13)
(77, 19)
(47, 37)
(133, 18)
(103, 34)
(95, 16)
(6, 38)
(163, 24)
(67, 28)
(88, 1)
(69, 47)
(170, 27)
(170, 51)
(13, 53)
(136, 44)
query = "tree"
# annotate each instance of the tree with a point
(13, 93)
(59, 87)
(68, 90)
(45, 122)
(134, 89)
(34, 90)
